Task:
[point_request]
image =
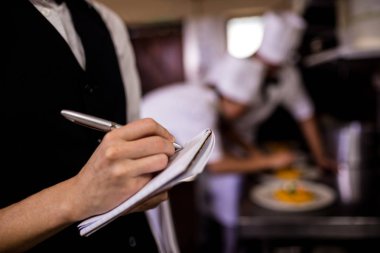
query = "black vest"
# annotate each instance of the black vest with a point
(41, 78)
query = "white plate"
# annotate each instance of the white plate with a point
(263, 196)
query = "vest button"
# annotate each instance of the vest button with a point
(89, 88)
(132, 241)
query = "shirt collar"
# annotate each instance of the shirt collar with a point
(45, 3)
(49, 3)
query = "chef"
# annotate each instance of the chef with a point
(278, 83)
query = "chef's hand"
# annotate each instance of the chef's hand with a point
(327, 164)
(281, 159)
(274, 160)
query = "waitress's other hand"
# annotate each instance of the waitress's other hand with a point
(150, 203)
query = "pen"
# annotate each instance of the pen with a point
(97, 123)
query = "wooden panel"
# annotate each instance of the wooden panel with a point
(159, 56)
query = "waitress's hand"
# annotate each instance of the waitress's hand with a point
(125, 161)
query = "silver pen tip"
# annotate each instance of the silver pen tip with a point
(177, 147)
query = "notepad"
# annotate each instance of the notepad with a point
(183, 166)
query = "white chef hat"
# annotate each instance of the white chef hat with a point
(282, 34)
(236, 79)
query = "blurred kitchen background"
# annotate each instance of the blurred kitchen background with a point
(339, 58)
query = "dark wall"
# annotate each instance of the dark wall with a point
(159, 56)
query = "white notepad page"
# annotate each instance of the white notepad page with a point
(185, 165)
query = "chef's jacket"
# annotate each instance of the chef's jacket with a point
(288, 92)
(186, 109)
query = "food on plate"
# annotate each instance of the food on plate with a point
(293, 193)
(289, 173)
(293, 196)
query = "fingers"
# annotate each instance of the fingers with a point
(139, 148)
(281, 159)
(138, 139)
(151, 203)
(143, 128)
(287, 156)
(125, 161)
(328, 165)
(150, 164)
